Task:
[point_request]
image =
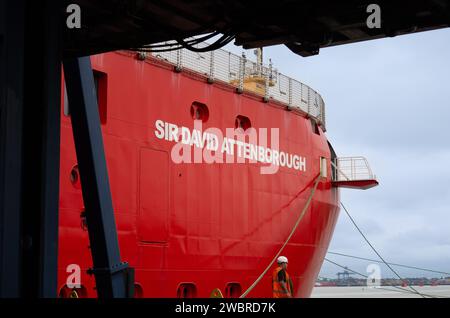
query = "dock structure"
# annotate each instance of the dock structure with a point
(34, 43)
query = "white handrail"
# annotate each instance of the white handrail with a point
(227, 67)
(352, 169)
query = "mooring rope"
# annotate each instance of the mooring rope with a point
(305, 208)
(375, 250)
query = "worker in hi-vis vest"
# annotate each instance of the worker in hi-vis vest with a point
(281, 282)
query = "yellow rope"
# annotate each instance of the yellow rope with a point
(308, 202)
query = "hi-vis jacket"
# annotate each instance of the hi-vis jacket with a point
(278, 291)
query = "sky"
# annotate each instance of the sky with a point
(389, 101)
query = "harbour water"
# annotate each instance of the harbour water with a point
(381, 292)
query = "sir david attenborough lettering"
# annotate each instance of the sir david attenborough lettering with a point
(211, 146)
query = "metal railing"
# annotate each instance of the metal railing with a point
(352, 169)
(224, 66)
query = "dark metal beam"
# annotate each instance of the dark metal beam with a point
(42, 140)
(12, 38)
(111, 275)
(29, 156)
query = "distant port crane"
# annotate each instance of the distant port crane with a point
(344, 276)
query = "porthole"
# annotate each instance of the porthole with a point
(66, 292)
(75, 177)
(242, 122)
(199, 111)
(138, 291)
(187, 290)
(233, 290)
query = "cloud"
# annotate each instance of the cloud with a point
(398, 86)
(389, 101)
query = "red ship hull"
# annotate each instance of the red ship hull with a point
(203, 225)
